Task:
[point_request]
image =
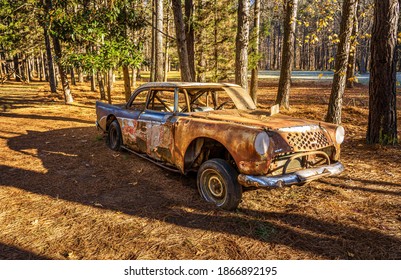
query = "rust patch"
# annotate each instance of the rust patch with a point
(160, 141)
(237, 139)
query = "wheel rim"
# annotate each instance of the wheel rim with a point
(213, 187)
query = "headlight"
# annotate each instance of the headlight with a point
(262, 142)
(340, 133)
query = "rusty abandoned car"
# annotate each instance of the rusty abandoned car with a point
(216, 130)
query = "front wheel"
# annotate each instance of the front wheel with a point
(114, 139)
(217, 184)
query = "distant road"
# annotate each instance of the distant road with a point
(314, 76)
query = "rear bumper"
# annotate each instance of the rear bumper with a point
(298, 177)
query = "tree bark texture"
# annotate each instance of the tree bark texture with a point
(241, 44)
(159, 75)
(49, 56)
(181, 42)
(189, 27)
(352, 53)
(287, 58)
(42, 70)
(135, 73)
(109, 84)
(127, 83)
(382, 125)
(255, 71)
(17, 68)
(63, 73)
(100, 80)
(340, 74)
(93, 80)
(153, 50)
(167, 45)
(72, 75)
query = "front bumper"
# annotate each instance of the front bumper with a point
(298, 177)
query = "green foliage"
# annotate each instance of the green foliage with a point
(111, 54)
(96, 36)
(215, 31)
(18, 26)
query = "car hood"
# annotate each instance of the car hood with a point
(256, 118)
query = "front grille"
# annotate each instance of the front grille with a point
(292, 162)
(309, 140)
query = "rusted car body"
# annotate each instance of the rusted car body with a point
(216, 130)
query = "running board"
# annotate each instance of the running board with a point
(151, 160)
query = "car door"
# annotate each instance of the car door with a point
(157, 121)
(134, 137)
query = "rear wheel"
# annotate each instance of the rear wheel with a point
(114, 139)
(217, 184)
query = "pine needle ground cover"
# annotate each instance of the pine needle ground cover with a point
(65, 195)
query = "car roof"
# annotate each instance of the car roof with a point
(239, 95)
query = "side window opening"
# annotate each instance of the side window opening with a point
(163, 101)
(139, 103)
(208, 100)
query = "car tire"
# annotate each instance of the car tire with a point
(114, 138)
(217, 184)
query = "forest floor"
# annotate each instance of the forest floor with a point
(65, 195)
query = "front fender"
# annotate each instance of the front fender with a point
(237, 139)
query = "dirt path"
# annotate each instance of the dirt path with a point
(64, 195)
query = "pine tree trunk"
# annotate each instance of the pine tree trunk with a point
(167, 47)
(16, 68)
(303, 52)
(255, 71)
(278, 46)
(28, 71)
(80, 75)
(215, 46)
(340, 74)
(93, 81)
(72, 74)
(352, 54)
(153, 49)
(382, 125)
(362, 62)
(49, 57)
(42, 67)
(189, 11)
(181, 42)
(134, 76)
(241, 44)
(283, 95)
(63, 73)
(201, 67)
(109, 84)
(127, 83)
(159, 75)
(295, 52)
(274, 59)
(101, 85)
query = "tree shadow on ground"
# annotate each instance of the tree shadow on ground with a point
(16, 100)
(342, 183)
(41, 117)
(8, 252)
(81, 169)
